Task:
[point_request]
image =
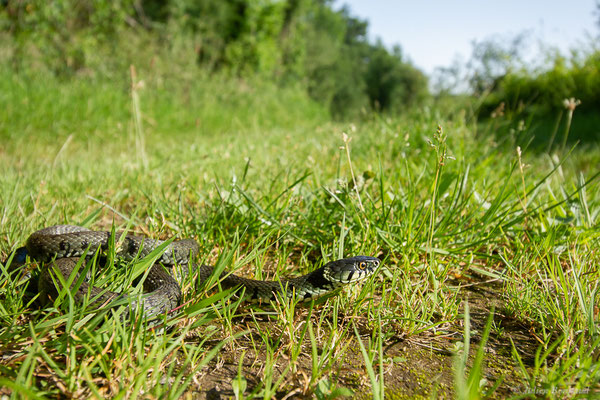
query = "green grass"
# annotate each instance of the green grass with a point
(269, 188)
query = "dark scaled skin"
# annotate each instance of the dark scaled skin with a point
(60, 248)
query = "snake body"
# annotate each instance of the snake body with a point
(60, 248)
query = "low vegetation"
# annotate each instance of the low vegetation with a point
(451, 212)
(488, 239)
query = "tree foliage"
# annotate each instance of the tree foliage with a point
(61, 32)
(305, 42)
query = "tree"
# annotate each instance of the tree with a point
(491, 59)
(392, 84)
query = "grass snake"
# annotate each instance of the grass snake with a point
(60, 248)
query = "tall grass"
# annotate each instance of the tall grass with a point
(270, 188)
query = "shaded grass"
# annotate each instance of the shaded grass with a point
(270, 189)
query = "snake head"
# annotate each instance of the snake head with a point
(349, 270)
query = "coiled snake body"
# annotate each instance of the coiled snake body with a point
(61, 246)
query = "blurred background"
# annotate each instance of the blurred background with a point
(315, 59)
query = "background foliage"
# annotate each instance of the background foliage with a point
(306, 46)
(533, 92)
(302, 43)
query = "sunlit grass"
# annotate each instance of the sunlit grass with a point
(270, 189)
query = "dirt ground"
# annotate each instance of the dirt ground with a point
(414, 367)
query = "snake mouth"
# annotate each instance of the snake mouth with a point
(356, 276)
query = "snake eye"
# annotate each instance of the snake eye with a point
(362, 265)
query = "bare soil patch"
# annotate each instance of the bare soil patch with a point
(414, 366)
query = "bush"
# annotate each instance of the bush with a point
(539, 96)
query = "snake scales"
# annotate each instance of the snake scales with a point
(60, 247)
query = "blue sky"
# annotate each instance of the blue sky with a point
(435, 32)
